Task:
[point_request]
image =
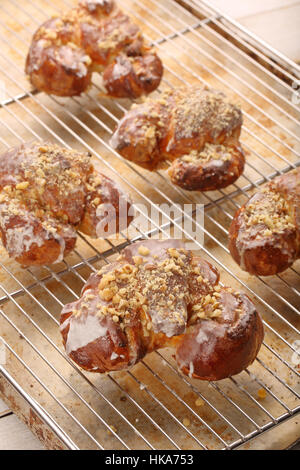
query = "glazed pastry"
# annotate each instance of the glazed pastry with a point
(196, 129)
(96, 36)
(155, 295)
(46, 193)
(264, 236)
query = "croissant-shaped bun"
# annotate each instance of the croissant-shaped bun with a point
(96, 36)
(264, 236)
(157, 294)
(46, 193)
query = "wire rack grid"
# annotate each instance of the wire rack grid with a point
(152, 406)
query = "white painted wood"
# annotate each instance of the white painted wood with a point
(237, 9)
(275, 21)
(14, 435)
(279, 28)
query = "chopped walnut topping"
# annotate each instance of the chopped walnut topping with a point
(160, 297)
(150, 288)
(107, 294)
(209, 152)
(96, 201)
(271, 210)
(209, 306)
(174, 253)
(22, 185)
(49, 169)
(137, 260)
(50, 34)
(216, 313)
(143, 250)
(203, 109)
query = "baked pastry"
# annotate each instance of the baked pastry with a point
(264, 236)
(96, 36)
(157, 294)
(46, 193)
(197, 129)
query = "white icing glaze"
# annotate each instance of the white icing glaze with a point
(79, 336)
(93, 4)
(62, 245)
(208, 342)
(119, 70)
(201, 337)
(191, 370)
(82, 70)
(20, 239)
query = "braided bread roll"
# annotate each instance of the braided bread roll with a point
(264, 236)
(96, 36)
(46, 193)
(155, 295)
(197, 129)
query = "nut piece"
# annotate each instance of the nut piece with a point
(261, 393)
(113, 428)
(107, 294)
(22, 185)
(143, 250)
(199, 402)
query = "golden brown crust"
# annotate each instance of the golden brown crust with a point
(46, 193)
(216, 167)
(214, 350)
(96, 36)
(264, 236)
(155, 295)
(33, 239)
(130, 77)
(195, 128)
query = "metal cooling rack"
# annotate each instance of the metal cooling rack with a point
(149, 405)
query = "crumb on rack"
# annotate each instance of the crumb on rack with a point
(113, 428)
(262, 393)
(199, 402)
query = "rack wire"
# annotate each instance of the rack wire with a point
(150, 405)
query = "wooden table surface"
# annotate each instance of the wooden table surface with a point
(276, 22)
